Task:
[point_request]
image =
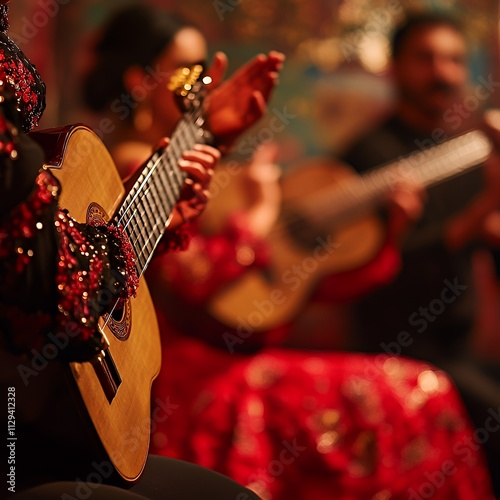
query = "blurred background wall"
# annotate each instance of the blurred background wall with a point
(335, 80)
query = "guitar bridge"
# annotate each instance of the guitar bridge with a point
(107, 373)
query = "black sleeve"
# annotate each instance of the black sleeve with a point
(20, 158)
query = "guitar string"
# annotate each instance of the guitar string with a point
(178, 148)
(375, 184)
(145, 214)
(187, 139)
(195, 113)
(139, 189)
(432, 165)
(377, 179)
(380, 181)
(133, 227)
(140, 210)
(155, 233)
(372, 186)
(128, 215)
(131, 212)
(181, 148)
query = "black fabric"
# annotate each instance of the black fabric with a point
(17, 177)
(428, 267)
(163, 478)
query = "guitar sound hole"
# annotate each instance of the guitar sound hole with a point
(118, 313)
(120, 320)
(302, 231)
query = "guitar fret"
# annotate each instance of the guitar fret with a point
(156, 228)
(148, 206)
(197, 133)
(167, 174)
(159, 201)
(129, 329)
(138, 241)
(128, 221)
(128, 229)
(425, 167)
(139, 220)
(188, 136)
(176, 176)
(148, 249)
(149, 223)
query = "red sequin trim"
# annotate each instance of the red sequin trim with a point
(175, 240)
(77, 287)
(17, 235)
(23, 83)
(128, 255)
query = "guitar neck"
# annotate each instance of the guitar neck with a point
(427, 168)
(146, 209)
(431, 166)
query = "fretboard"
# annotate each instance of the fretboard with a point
(146, 209)
(427, 167)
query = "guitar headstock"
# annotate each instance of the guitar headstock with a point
(187, 85)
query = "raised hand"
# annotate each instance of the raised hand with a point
(239, 102)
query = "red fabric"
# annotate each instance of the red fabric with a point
(290, 424)
(360, 426)
(346, 286)
(216, 260)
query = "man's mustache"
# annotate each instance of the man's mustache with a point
(442, 87)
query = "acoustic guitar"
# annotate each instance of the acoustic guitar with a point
(114, 388)
(327, 226)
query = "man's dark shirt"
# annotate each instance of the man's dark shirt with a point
(428, 268)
